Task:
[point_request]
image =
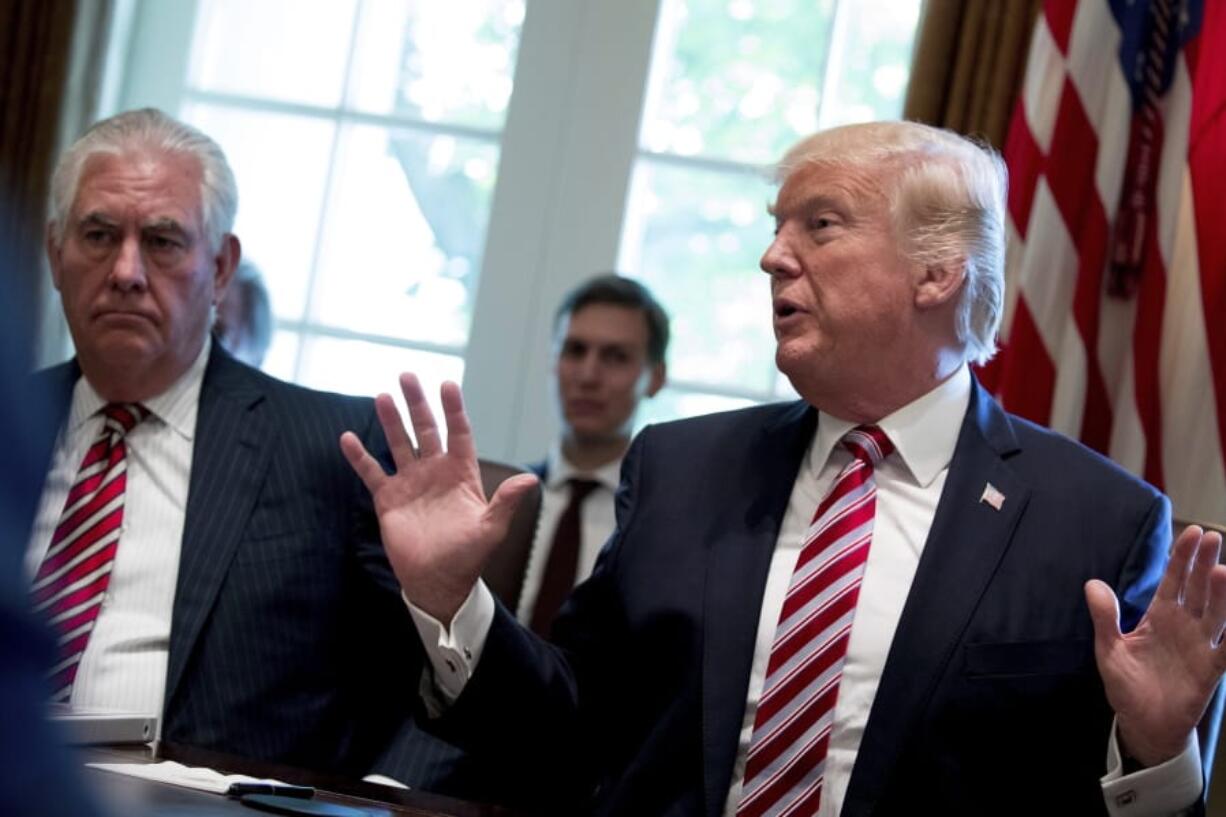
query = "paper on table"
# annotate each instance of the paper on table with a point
(192, 777)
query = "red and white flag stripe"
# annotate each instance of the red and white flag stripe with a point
(1140, 376)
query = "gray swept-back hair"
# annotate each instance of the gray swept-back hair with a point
(148, 129)
(947, 202)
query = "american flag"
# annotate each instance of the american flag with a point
(1115, 322)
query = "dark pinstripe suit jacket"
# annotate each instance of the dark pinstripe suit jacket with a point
(289, 641)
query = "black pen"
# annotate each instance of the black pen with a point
(282, 789)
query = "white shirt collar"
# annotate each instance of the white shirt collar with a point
(560, 470)
(176, 407)
(924, 431)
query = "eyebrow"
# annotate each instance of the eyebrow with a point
(96, 219)
(819, 201)
(165, 224)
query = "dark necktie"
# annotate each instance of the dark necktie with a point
(71, 582)
(563, 562)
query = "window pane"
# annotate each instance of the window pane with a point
(443, 62)
(783, 388)
(404, 232)
(280, 162)
(868, 78)
(736, 79)
(694, 237)
(367, 369)
(282, 354)
(289, 50)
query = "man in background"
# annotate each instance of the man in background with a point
(610, 339)
(244, 316)
(200, 548)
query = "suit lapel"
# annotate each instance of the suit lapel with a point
(53, 388)
(736, 581)
(234, 437)
(965, 545)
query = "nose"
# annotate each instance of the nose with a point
(128, 273)
(779, 258)
(589, 366)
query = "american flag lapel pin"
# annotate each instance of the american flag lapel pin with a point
(992, 496)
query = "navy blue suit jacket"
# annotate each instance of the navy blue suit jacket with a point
(989, 702)
(289, 640)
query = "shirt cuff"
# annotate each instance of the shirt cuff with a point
(1160, 790)
(453, 652)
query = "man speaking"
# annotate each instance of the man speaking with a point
(890, 597)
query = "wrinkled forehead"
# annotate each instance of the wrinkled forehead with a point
(153, 185)
(850, 185)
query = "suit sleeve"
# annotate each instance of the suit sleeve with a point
(1142, 570)
(533, 702)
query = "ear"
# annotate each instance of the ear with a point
(659, 374)
(225, 264)
(939, 284)
(54, 248)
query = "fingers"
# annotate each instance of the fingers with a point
(367, 467)
(459, 433)
(1105, 613)
(393, 429)
(1178, 566)
(506, 499)
(429, 442)
(1196, 590)
(1215, 610)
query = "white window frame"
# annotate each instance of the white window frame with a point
(566, 152)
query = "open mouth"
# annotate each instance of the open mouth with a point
(785, 309)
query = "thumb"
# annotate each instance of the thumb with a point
(506, 500)
(1105, 613)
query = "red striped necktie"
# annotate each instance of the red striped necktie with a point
(791, 730)
(71, 581)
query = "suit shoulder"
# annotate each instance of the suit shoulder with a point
(1067, 464)
(736, 421)
(293, 399)
(714, 440)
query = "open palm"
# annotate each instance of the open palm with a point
(1160, 677)
(437, 527)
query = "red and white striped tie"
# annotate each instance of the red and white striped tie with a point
(791, 729)
(71, 581)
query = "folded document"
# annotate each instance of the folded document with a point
(192, 777)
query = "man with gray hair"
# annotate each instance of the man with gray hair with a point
(201, 549)
(891, 597)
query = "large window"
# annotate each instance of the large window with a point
(733, 84)
(421, 181)
(366, 139)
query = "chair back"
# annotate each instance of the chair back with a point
(504, 574)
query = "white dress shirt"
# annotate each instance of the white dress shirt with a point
(124, 665)
(596, 522)
(909, 485)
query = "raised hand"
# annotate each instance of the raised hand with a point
(437, 527)
(1159, 678)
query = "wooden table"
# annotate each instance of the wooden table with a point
(146, 798)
